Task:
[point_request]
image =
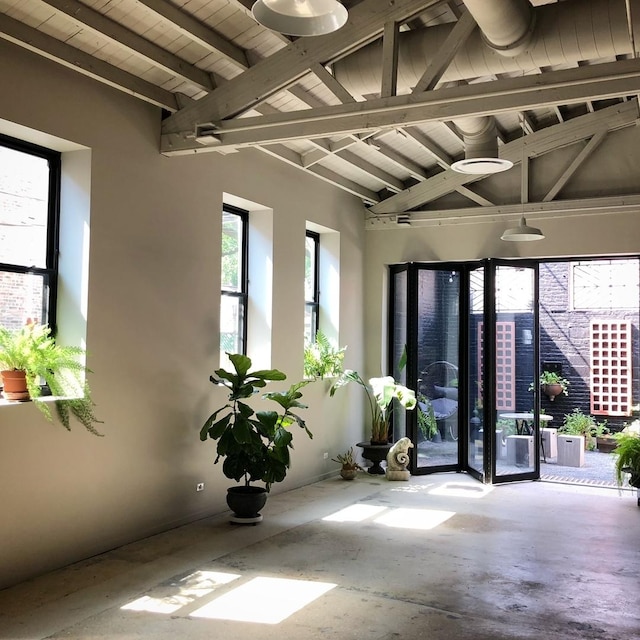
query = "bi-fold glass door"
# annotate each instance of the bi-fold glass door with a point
(470, 335)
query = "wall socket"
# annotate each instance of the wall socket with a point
(200, 486)
(325, 455)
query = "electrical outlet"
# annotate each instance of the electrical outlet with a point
(325, 455)
(200, 486)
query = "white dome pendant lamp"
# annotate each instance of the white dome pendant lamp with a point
(300, 17)
(522, 233)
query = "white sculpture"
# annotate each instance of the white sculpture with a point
(398, 459)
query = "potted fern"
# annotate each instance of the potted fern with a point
(254, 445)
(30, 359)
(322, 359)
(628, 455)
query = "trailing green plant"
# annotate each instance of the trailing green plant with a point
(347, 460)
(254, 446)
(427, 422)
(323, 359)
(34, 350)
(381, 393)
(579, 424)
(628, 455)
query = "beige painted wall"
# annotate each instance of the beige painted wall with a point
(153, 309)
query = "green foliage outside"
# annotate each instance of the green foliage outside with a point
(577, 423)
(322, 358)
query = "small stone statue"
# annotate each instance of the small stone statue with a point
(398, 459)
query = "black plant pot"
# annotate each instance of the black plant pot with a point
(375, 453)
(246, 503)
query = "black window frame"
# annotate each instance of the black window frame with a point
(49, 273)
(314, 304)
(243, 294)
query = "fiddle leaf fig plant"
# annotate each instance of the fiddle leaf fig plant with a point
(254, 445)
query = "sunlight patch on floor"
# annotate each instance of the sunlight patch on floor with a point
(168, 598)
(355, 513)
(423, 519)
(272, 600)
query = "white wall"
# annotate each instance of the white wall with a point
(152, 319)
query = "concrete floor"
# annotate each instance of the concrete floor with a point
(436, 557)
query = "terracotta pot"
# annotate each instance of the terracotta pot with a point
(14, 385)
(348, 473)
(552, 390)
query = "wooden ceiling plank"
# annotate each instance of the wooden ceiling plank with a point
(413, 169)
(441, 158)
(543, 141)
(331, 83)
(283, 68)
(53, 49)
(588, 149)
(389, 60)
(456, 39)
(198, 32)
(142, 47)
(393, 183)
(525, 92)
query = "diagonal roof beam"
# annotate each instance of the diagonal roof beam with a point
(198, 32)
(100, 24)
(278, 71)
(39, 42)
(536, 144)
(525, 92)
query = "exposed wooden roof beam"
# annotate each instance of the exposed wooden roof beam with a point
(526, 92)
(588, 149)
(138, 45)
(283, 68)
(198, 32)
(39, 42)
(389, 60)
(543, 141)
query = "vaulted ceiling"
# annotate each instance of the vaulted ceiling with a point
(380, 108)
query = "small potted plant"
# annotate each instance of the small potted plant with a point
(577, 423)
(350, 467)
(322, 359)
(553, 384)
(29, 357)
(254, 446)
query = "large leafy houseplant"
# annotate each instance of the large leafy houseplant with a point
(381, 393)
(628, 455)
(33, 350)
(254, 445)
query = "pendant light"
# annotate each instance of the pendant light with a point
(300, 17)
(523, 232)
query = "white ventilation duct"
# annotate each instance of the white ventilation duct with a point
(505, 43)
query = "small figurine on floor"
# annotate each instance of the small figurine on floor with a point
(398, 459)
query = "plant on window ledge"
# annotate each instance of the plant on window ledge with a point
(322, 359)
(31, 354)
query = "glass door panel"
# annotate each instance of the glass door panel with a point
(398, 350)
(437, 367)
(475, 365)
(515, 438)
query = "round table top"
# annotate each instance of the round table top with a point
(524, 416)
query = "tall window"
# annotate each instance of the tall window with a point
(234, 285)
(311, 286)
(29, 210)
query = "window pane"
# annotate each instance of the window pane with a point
(606, 284)
(24, 298)
(310, 269)
(24, 192)
(231, 321)
(231, 252)
(310, 323)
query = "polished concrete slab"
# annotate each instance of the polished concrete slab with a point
(437, 557)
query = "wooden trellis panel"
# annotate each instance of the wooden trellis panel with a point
(611, 372)
(505, 364)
